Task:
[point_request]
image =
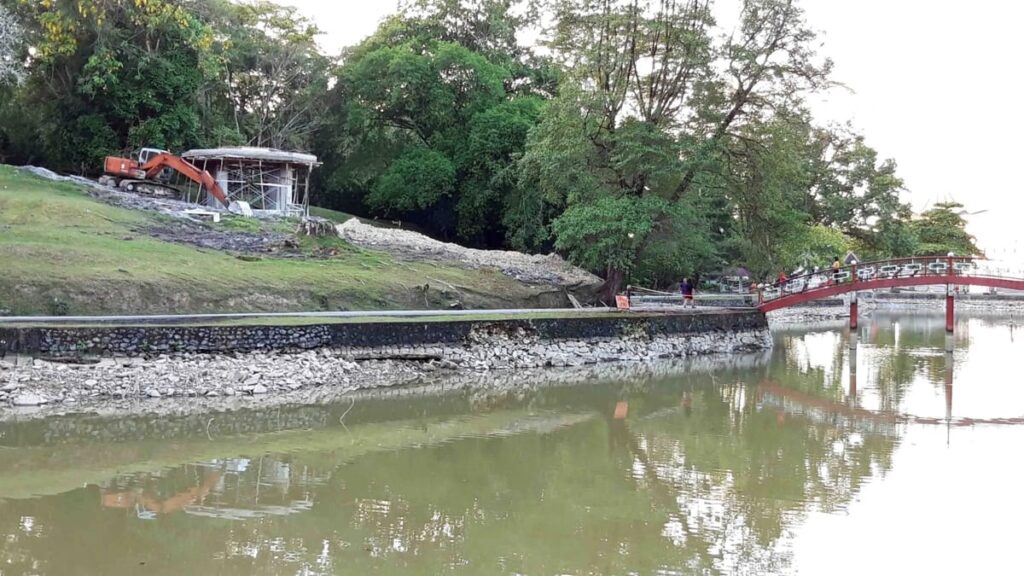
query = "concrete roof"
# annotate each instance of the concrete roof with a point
(250, 153)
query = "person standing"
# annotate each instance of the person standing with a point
(686, 287)
(836, 267)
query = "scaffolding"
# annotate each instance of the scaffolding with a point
(270, 181)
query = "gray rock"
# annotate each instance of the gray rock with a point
(30, 399)
(259, 389)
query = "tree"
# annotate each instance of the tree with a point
(429, 117)
(12, 70)
(767, 175)
(659, 101)
(273, 79)
(942, 230)
(111, 75)
(855, 193)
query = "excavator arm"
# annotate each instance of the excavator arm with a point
(157, 163)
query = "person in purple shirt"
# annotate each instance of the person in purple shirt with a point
(686, 288)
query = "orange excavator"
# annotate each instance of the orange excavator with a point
(151, 173)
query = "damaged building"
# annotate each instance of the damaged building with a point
(267, 180)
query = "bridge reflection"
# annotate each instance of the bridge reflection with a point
(848, 412)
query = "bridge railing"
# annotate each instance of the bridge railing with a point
(932, 266)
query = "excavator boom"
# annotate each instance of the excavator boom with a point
(154, 165)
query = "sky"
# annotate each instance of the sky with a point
(936, 85)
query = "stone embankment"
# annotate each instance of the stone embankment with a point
(484, 347)
(319, 406)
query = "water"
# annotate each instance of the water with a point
(779, 463)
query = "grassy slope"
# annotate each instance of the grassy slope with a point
(58, 243)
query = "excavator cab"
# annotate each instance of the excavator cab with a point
(147, 154)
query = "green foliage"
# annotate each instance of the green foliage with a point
(766, 179)
(428, 119)
(637, 118)
(111, 75)
(272, 78)
(942, 230)
(415, 181)
(604, 233)
(813, 246)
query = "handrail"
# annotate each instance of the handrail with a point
(862, 271)
(896, 272)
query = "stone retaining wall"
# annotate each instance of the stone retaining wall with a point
(149, 340)
(229, 361)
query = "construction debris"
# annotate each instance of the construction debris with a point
(548, 269)
(316, 226)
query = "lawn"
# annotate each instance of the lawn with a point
(62, 251)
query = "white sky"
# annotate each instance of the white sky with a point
(937, 86)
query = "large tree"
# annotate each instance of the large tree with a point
(273, 79)
(428, 118)
(659, 101)
(853, 191)
(111, 75)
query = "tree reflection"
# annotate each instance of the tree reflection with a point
(702, 473)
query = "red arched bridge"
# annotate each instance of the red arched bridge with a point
(953, 272)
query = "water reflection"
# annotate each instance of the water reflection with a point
(704, 471)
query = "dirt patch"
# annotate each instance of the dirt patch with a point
(196, 234)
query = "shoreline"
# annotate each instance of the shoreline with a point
(478, 385)
(28, 384)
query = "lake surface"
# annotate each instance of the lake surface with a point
(811, 459)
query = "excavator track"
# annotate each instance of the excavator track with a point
(149, 188)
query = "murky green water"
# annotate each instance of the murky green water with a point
(780, 463)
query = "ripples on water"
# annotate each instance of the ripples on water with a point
(814, 459)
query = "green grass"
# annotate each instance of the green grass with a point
(63, 250)
(339, 217)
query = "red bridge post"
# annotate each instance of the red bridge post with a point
(853, 310)
(853, 298)
(949, 296)
(852, 393)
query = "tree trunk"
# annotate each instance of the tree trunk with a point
(612, 284)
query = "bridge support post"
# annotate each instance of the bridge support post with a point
(949, 308)
(949, 387)
(852, 393)
(853, 310)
